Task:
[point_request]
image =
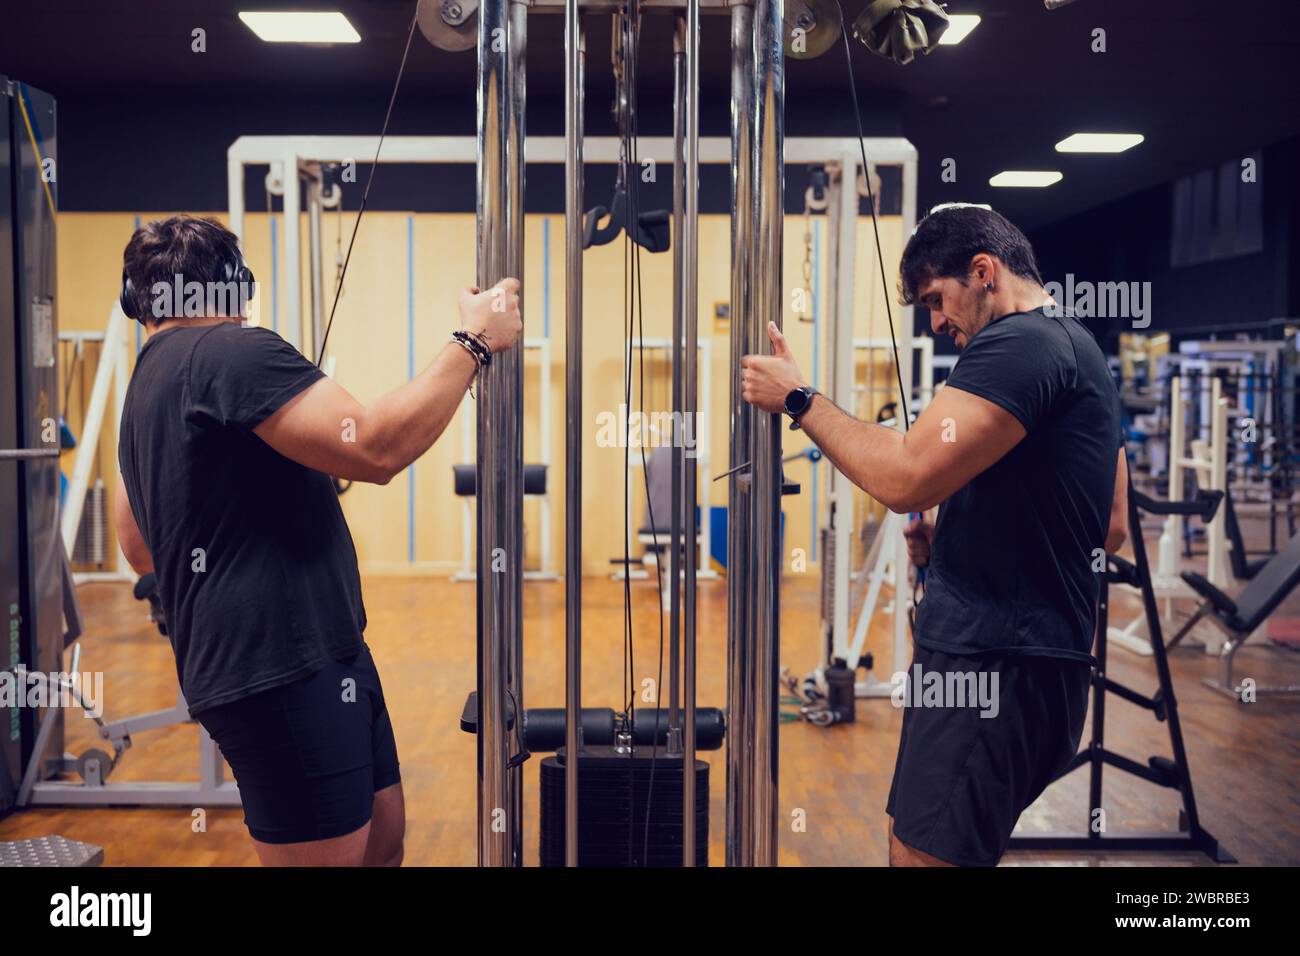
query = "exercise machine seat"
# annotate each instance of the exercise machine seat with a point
(1260, 597)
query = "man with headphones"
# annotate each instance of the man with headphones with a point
(229, 440)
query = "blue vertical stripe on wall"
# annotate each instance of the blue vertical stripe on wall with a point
(410, 374)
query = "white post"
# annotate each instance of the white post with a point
(292, 330)
(1216, 536)
(235, 194)
(1171, 536)
(927, 370)
(88, 445)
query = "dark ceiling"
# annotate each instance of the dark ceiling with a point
(1202, 85)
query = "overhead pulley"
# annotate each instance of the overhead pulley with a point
(450, 25)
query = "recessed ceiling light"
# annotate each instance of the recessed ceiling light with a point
(1099, 142)
(959, 27)
(300, 26)
(1026, 178)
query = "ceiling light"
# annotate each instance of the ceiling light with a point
(297, 26)
(960, 26)
(1028, 178)
(1099, 142)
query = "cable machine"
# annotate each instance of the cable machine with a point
(757, 146)
(506, 730)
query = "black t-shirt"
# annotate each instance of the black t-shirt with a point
(256, 568)
(1012, 563)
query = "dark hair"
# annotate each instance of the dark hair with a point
(196, 248)
(946, 241)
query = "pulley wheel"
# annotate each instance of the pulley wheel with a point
(450, 25)
(809, 28)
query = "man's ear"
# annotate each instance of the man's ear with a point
(982, 269)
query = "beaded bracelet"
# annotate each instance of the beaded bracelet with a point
(475, 348)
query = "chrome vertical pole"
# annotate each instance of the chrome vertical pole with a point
(739, 841)
(499, 498)
(844, 207)
(513, 373)
(675, 520)
(768, 197)
(690, 396)
(573, 103)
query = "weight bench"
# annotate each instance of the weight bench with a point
(1238, 617)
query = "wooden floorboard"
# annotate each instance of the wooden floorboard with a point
(1244, 757)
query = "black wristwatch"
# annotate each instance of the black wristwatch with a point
(798, 401)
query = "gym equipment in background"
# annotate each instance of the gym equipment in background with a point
(1206, 463)
(1173, 772)
(656, 537)
(1269, 583)
(32, 560)
(755, 152)
(95, 765)
(107, 394)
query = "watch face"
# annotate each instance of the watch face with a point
(796, 402)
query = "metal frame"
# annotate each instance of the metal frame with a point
(469, 417)
(756, 151)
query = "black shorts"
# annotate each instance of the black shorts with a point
(309, 756)
(962, 779)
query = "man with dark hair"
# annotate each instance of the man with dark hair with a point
(1020, 450)
(229, 440)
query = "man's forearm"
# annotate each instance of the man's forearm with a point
(406, 422)
(871, 456)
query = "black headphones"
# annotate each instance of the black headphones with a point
(233, 269)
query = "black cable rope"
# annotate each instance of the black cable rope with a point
(875, 225)
(291, 182)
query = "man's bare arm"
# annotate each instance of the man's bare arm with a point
(956, 438)
(1118, 530)
(325, 428)
(129, 538)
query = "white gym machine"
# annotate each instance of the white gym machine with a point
(106, 396)
(700, 433)
(886, 562)
(1209, 459)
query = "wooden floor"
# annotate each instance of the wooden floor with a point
(1244, 758)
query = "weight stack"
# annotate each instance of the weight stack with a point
(613, 790)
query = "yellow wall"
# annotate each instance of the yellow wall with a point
(370, 344)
